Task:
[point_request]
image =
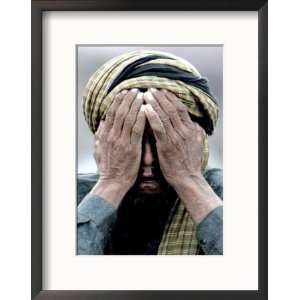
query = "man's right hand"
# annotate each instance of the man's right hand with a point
(118, 146)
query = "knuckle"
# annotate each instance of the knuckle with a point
(184, 133)
(182, 108)
(110, 139)
(98, 136)
(120, 114)
(109, 120)
(101, 139)
(136, 131)
(159, 131)
(109, 114)
(118, 97)
(123, 144)
(176, 140)
(199, 137)
(166, 123)
(191, 126)
(198, 128)
(171, 111)
(129, 120)
(165, 119)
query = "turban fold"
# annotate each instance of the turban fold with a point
(154, 69)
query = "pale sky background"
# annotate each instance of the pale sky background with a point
(207, 59)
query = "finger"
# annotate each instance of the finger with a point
(170, 110)
(111, 113)
(162, 115)
(122, 112)
(155, 123)
(100, 127)
(181, 108)
(201, 130)
(170, 131)
(97, 144)
(131, 116)
(139, 126)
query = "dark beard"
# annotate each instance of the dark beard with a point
(140, 222)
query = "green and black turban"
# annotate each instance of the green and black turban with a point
(145, 69)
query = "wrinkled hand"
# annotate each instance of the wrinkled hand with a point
(180, 143)
(118, 145)
(179, 140)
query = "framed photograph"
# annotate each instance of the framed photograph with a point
(149, 150)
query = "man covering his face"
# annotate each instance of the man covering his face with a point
(150, 112)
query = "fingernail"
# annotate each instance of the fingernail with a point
(139, 95)
(143, 107)
(149, 95)
(124, 92)
(149, 107)
(153, 90)
(134, 90)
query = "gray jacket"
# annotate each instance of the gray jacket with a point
(96, 217)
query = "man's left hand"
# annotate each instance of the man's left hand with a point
(179, 143)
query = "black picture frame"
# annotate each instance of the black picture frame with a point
(37, 9)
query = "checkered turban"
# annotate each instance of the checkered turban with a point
(145, 69)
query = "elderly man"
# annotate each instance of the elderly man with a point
(150, 113)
